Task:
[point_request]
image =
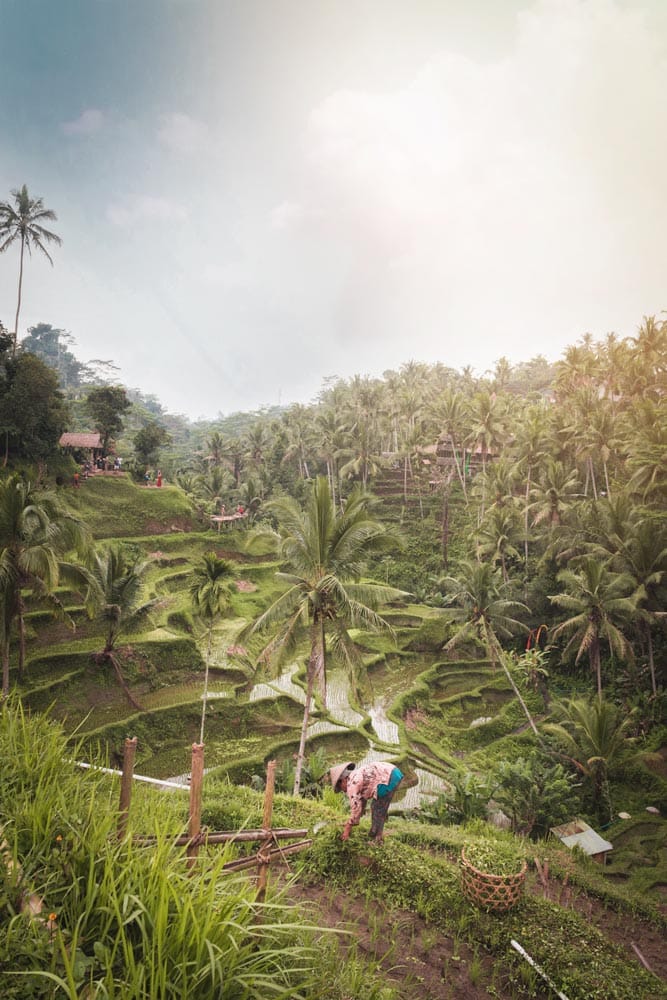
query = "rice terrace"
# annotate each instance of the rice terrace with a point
(451, 650)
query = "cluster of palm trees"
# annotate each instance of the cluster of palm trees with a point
(567, 488)
(43, 547)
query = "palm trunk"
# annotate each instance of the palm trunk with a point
(458, 469)
(121, 680)
(593, 482)
(5, 671)
(525, 522)
(595, 663)
(316, 672)
(18, 304)
(304, 727)
(21, 621)
(205, 698)
(651, 664)
(497, 655)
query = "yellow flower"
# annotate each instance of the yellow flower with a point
(52, 917)
(59, 838)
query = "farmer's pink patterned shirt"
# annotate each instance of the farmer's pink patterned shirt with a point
(362, 785)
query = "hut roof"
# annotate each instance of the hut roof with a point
(580, 834)
(88, 440)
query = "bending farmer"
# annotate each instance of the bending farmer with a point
(376, 782)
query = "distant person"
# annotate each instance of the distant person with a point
(147, 477)
(76, 480)
(375, 783)
(158, 481)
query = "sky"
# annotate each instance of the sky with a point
(258, 195)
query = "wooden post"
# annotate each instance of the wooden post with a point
(196, 780)
(129, 752)
(264, 857)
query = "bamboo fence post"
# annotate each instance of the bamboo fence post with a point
(194, 824)
(263, 855)
(129, 752)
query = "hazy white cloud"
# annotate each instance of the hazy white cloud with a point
(183, 134)
(134, 209)
(89, 121)
(499, 188)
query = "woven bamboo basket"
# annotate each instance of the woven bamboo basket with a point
(497, 893)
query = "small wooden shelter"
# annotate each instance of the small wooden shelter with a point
(579, 834)
(85, 446)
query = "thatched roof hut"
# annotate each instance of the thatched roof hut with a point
(85, 441)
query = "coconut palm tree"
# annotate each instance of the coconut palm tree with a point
(496, 537)
(211, 595)
(116, 594)
(532, 447)
(449, 412)
(324, 552)
(486, 613)
(593, 734)
(642, 554)
(553, 495)
(23, 221)
(36, 535)
(601, 601)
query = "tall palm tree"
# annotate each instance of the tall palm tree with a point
(601, 601)
(488, 430)
(593, 733)
(642, 554)
(449, 412)
(23, 221)
(324, 552)
(553, 495)
(36, 535)
(116, 594)
(532, 445)
(211, 595)
(486, 614)
(496, 537)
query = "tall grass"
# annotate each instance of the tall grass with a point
(119, 920)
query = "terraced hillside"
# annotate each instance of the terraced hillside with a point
(439, 718)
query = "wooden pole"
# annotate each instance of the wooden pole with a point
(196, 780)
(264, 855)
(129, 752)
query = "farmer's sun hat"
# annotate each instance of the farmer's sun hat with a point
(338, 771)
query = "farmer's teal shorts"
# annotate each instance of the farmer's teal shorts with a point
(395, 777)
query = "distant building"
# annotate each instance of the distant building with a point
(84, 446)
(576, 833)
